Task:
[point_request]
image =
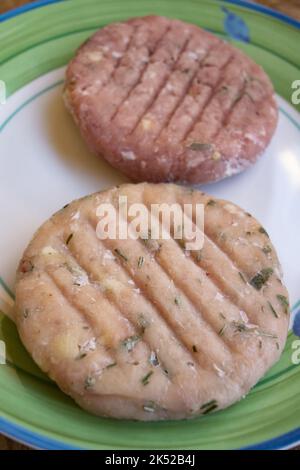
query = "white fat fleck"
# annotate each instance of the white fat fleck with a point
(108, 256)
(146, 124)
(170, 87)
(220, 371)
(137, 290)
(94, 56)
(75, 216)
(231, 169)
(253, 138)
(80, 277)
(89, 345)
(128, 155)
(192, 55)
(152, 75)
(49, 250)
(130, 281)
(235, 224)
(234, 210)
(219, 297)
(116, 54)
(244, 316)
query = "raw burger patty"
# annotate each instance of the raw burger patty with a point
(143, 329)
(163, 100)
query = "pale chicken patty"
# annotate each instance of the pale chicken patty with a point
(163, 100)
(144, 328)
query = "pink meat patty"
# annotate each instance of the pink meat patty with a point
(163, 100)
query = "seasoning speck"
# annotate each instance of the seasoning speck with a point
(146, 379)
(69, 238)
(120, 254)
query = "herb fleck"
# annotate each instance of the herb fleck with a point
(267, 249)
(273, 310)
(222, 330)
(200, 146)
(242, 277)
(153, 359)
(262, 230)
(194, 348)
(146, 379)
(143, 323)
(177, 301)
(140, 261)
(261, 278)
(113, 364)
(284, 302)
(130, 342)
(120, 254)
(211, 202)
(25, 312)
(89, 382)
(149, 406)
(209, 406)
(69, 238)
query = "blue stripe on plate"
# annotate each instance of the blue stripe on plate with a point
(25, 436)
(27, 7)
(243, 3)
(39, 441)
(266, 11)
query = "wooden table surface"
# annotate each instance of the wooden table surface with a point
(289, 7)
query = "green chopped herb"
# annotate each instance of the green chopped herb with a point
(89, 382)
(273, 310)
(140, 261)
(113, 364)
(81, 355)
(65, 206)
(143, 323)
(277, 346)
(242, 277)
(262, 230)
(194, 348)
(241, 327)
(260, 344)
(211, 202)
(177, 301)
(153, 359)
(149, 407)
(25, 312)
(145, 380)
(209, 406)
(248, 233)
(200, 146)
(190, 364)
(222, 330)
(129, 343)
(284, 302)
(222, 315)
(267, 249)
(120, 254)
(69, 238)
(261, 278)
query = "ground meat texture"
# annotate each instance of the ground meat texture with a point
(163, 100)
(143, 328)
